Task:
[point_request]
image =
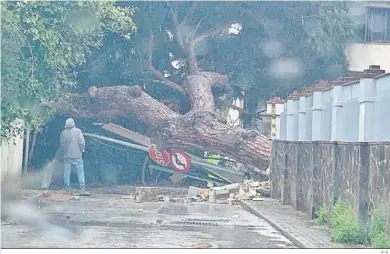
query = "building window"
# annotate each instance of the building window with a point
(378, 25)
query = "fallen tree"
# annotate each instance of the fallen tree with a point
(251, 45)
(198, 128)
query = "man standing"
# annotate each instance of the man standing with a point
(73, 144)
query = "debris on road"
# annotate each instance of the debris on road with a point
(248, 190)
(55, 196)
(147, 194)
(59, 197)
(197, 194)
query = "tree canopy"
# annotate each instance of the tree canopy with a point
(42, 44)
(184, 61)
(282, 45)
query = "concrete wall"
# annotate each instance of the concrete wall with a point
(359, 55)
(348, 109)
(272, 118)
(12, 155)
(307, 175)
(334, 143)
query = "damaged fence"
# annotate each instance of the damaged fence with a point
(308, 175)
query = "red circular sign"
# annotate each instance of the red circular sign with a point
(160, 157)
(180, 161)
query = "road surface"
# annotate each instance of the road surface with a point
(110, 221)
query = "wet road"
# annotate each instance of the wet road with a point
(109, 221)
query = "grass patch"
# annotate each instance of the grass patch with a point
(323, 215)
(345, 226)
(378, 236)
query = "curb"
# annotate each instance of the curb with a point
(285, 233)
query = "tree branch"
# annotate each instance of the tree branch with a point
(157, 73)
(176, 24)
(197, 27)
(192, 61)
(204, 36)
(189, 14)
(114, 102)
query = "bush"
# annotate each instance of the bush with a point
(323, 215)
(379, 238)
(345, 227)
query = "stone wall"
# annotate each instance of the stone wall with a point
(307, 175)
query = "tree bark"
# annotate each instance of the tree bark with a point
(196, 129)
(113, 102)
(198, 88)
(202, 130)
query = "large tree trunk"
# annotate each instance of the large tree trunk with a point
(197, 128)
(198, 88)
(204, 131)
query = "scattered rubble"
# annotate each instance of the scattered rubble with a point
(248, 190)
(147, 194)
(228, 194)
(55, 196)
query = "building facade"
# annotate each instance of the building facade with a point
(374, 47)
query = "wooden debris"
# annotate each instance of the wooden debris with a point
(248, 190)
(147, 194)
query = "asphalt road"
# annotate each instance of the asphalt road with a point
(109, 221)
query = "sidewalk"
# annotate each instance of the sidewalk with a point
(294, 225)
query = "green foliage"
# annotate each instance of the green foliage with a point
(378, 235)
(49, 47)
(345, 227)
(313, 33)
(41, 42)
(380, 241)
(323, 215)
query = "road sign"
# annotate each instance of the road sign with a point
(180, 161)
(160, 157)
